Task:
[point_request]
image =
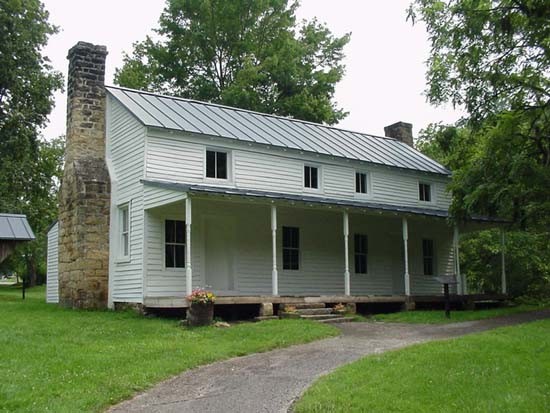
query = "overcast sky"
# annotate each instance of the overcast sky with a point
(385, 76)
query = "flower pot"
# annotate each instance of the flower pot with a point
(200, 314)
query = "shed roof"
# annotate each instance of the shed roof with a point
(186, 115)
(15, 227)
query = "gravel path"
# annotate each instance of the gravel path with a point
(270, 382)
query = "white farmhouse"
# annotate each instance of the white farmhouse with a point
(162, 195)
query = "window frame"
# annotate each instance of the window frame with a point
(319, 177)
(229, 166)
(431, 192)
(368, 186)
(124, 236)
(430, 257)
(165, 244)
(360, 254)
(291, 248)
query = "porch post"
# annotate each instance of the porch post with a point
(188, 268)
(502, 261)
(462, 289)
(274, 273)
(406, 256)
(347, 287)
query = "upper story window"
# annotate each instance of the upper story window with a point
(124, 229)
(311, 177)
(428, 256)
(360, 252)
(361, 183)
(425, 192)
(291, 248)
(174, 244)
(216, 164)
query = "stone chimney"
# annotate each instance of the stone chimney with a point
(401, 131)
(85, 190)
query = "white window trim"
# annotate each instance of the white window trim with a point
(121, 258)
(163, 251)
(360, 195)
(319, 188)
(432, 200)
(230, 167)
(282, 262)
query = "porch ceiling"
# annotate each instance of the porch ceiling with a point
(276, 196)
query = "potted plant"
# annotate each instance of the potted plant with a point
(201, 308)
(339, 309)
(289, 311)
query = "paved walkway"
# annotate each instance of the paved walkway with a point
(270, 382)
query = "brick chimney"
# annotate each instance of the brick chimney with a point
(402, 131)
(85, 190)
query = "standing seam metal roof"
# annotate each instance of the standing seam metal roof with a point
(186, 115)
(15, 227)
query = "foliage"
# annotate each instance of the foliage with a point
(38, 201)
(438, 316)
(201, 296)
(84, 361)
(247, 54)
(504, 370)
(27, 82)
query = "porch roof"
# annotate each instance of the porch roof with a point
(15, 227)
(272, 196)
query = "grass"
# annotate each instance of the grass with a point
(438, 316)
(62, 360)
(503, 370)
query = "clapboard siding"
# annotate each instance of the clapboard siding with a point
(180, 157)
(52, 265)
(321, 251)
(126, 143)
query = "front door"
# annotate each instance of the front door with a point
(219, 247)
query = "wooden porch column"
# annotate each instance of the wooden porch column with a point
(347, 287)
(461, 286)
(188, 268)
(503, 262)
(406, 256)
(274, 273)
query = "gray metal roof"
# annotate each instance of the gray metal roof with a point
(15, 227)
(209, 119)
(213, 190)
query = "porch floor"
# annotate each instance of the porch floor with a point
(180, 302)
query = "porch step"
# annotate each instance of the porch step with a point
(314, 311)
(266, 317)
(337, 320)
(320, 317)
(303, 306)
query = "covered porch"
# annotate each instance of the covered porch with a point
(233, 244)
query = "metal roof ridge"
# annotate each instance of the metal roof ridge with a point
(200, 102)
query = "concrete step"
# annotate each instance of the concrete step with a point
(301, 306)
(314, 311)
(319, 317)
(337, 320)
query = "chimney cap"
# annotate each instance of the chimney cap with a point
(87, 47)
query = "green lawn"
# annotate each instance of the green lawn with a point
(504, 370)
(61, 360)
(436, 317)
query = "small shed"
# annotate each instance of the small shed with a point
(14, 229)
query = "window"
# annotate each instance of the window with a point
(124, 227)
(216, 164)
(425, 192)
(428, 256)
(360, 182)
(174, 244)
(311, 177)
(360, 249)
(291, 248)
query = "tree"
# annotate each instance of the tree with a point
(493, 57)
(243, 53)
(27, 83)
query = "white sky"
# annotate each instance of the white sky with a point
(385, 76)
